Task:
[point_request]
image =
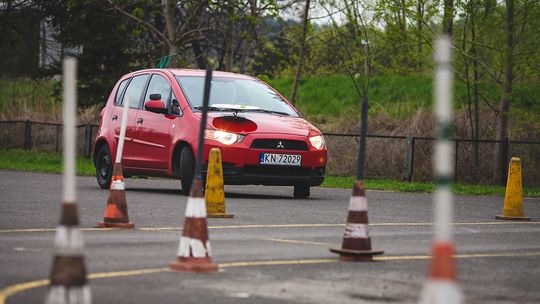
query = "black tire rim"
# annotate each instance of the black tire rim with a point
(104, 167)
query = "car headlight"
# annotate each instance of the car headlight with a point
(317, 142)
(223, 137)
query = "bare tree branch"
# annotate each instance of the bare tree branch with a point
(163, 39)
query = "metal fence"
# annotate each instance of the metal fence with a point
(409, 158)
(44, 136)
(406, 158)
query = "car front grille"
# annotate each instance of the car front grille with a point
(279, 144)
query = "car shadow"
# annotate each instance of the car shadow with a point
(227, 194)
(157, 191)
(254, 195)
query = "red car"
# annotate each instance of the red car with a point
(262, 137)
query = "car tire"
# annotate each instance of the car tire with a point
(301, 191)
(187, 169)
(104, 167)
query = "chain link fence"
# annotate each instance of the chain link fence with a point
(404, 158)
(44, 136)
(410, 159)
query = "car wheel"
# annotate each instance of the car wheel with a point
(187, 169)
(301, 191)
(104, 167)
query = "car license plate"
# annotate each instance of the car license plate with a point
(280, 159)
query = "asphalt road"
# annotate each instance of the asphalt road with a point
(281, 242)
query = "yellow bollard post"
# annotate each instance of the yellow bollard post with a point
(513, 199)
(214, 193)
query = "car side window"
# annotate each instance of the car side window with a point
(135, 90)
(121, 87)
(158, 85)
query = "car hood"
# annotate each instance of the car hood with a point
(246, 122)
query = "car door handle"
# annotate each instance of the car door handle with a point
(140, 120)
(115, 117)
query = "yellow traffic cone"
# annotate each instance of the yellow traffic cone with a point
(513, 199)
(214, 193)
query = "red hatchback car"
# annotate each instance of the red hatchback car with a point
(262, 137)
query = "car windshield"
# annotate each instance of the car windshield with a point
(230, 94)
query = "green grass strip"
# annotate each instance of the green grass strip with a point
(392, 185)
(41, 162)
(52, 163)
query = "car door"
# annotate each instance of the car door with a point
(152, 138)
(133, 94)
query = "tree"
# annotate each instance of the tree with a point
(105, 53)
(506, 94)
(448, 17)
(302, 52)
(470, 52)
(185, 22)
(255, 13)
(19, 38)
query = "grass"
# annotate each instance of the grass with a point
(41, 162)
(399, 186)
(335, 95)
(52, 163)
(24, 97)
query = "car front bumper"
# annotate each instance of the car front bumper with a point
(270, 175)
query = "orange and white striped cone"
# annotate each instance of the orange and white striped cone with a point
(68, 283)
(194, 252)
(116, 212)
(356, 244)
(441, 285)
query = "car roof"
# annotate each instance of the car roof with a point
(195, 72)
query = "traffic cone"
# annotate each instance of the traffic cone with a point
(441, 285)
(116, 212)
(513, 199)
(68, 283)
(194, 252)
(356, 244)
(215, 194)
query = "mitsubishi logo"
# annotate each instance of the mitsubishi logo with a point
(280, 145)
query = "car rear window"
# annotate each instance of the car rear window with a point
(121, 87)
(135, 90)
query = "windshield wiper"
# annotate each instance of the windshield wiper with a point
(210, 108)
(269, 111)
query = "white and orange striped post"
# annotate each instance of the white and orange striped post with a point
(441, 285)
(194, 252)
(116, 212)
(68, 283)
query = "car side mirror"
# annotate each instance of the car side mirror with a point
(155, 106)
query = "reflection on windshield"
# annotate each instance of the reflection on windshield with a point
(229, 93)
